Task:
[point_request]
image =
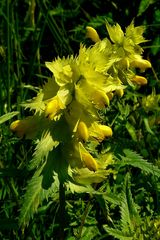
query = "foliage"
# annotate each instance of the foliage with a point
(125, 203)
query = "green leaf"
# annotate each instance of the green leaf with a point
(75, 188)
(144, 4)
(146, 123)
(118, 234)
(48, 171)
(7, 116)
(90, 233)
(135, 160)
(44, 146)
(112, 198)
(129, 213)
(85, 176)
(131, 131)
(36, 103)
(34, 196)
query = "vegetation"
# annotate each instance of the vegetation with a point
(91, 170)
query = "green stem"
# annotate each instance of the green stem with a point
(84, 216)
(61, 210)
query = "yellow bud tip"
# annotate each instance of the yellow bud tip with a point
(100, 99)
(92, 34)
(82, 131)
(18, 127)
(107, 131)
(120, 92)
(52, 109)
(139, 80)
(141, 63)
(89, 161)
(14, 125)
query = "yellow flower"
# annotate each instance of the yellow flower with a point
(53, 107)
(82, 131)
(92, 34)
(107, 131)
(24, 128)
(99, 131)
(140, 63)
(100, 98)
(115, 33)
(87, 159)
(139, 80)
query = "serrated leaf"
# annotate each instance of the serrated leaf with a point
(85, 176)
(112, 198)
(44, 146)
(129, 214)
(34, 196)
(118, 234)
(135, 160)
(75, 188)
(36, 103)
(7, 116)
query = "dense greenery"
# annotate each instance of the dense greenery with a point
(126, 204)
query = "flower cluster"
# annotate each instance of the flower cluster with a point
(68, 104)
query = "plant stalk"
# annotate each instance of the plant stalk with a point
(61, 210)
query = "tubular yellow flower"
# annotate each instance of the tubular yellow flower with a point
(141, 63)
(87, 158)
(26, 127)
(99, 131)
(52, 108)
(92, 34)
(89, 161)
(107, 131)
(100, 99)
(82, 131)
(139, 80)
(15, 125)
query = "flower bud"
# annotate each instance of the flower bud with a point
(99, 131)
(92, 34)
(107, 131)
(139, 80)
(82, 131)
(19, 127)
(120, 92)
(100, 99)
(89, 161)
(52, 108)
(141, 63)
